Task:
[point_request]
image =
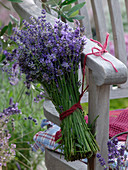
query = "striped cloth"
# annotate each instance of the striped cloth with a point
(46, 138)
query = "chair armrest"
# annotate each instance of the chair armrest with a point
(103, 71)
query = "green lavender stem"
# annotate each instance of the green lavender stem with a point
(77, 140)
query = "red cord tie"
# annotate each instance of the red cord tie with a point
(70, 111)
(99, 52)
(73, 108)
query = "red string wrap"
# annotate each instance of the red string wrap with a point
(73, 108)
(70, 111)
(97, 52)
(101, 51)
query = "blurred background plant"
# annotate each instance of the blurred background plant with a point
(19, 130)
(65, 10)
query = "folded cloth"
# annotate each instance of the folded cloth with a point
(46, 138)
(118, 122)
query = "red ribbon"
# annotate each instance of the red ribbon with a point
(58, 135)
(97, 52)
(70, 111)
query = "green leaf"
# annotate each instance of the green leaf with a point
(3, 30)
(76, 8)
(78, 17)
(66, 8)
(91, 126)
(74, 14)
(10, 94)
(1, 46)
(2, 57)
(4, 6)
(52, 2)
(58, 147)
(66, 17)
(9, 28)
(15, 20)
(55, 10)
(17, 1)
(67, 2)
(59, 140)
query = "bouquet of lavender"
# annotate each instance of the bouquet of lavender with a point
(50, 55)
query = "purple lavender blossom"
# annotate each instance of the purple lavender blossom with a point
(11, 110)
(101, 160)
(42, 48)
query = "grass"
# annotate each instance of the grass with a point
(22, 127)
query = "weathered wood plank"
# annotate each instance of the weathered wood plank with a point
(114, 94)
(99, 20)
(85, 22)
(99, 105)
(29, 8)
(118, 32)
(50, 112)
(54, 162)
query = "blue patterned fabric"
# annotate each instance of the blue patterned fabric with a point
(46, 138)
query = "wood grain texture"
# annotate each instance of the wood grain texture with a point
(85, 22)
(118, 32)
(54, 162)
(99, 106)
(50, 112)
(29, 8)
(99, 20)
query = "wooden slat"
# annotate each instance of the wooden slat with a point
(126, 4)
(99, 105)
(53, 161)
(118, 32)
(99, 20)
(85, 22)
(114, 94)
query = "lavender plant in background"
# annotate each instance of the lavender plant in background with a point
(117, 156)
(50, 55)
(7, 150)
(7, 147)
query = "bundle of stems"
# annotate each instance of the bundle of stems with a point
(77, 141)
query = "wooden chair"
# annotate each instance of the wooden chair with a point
(101, 76)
